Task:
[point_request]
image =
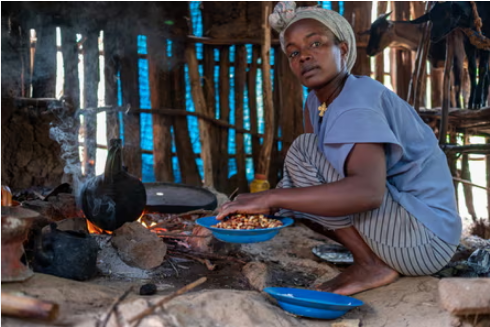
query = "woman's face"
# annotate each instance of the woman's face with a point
(315, 56)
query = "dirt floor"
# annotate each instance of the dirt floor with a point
(231, 297)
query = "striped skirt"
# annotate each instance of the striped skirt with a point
(392, 233)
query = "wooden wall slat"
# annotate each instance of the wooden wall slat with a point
(252, 103)
(111, 68)
(200, 106)
(69, 48)
(403, 58)
(355, 13)
(187, 164)
(240, 77)
(44, 74)
(160, 84)
(130, 96)
(224, 115)
(91, 84)
(209, 95)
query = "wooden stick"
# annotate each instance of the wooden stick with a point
(167, 299)
(379, 70)
(466, 175)
(464, 181)
(207, 255)
(206, 262)
(224, 114)
(103, 322)
(240, 79)
(28, 307)
(175, 235)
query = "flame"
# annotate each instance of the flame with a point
(92, 229)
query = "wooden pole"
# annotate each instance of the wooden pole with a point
(28, 307)
(200, 105)
(446, 89)
(240, 77)
(187, 164)
(91, 84)
(466, 174)
(379, 63)
(265, 153)
(453, 165)
(111, 68)
(224, 114)
(436, 77)
(131, 96)
(276, 158)
(252, 104)
(335, 6)
(160, 96)
(356, 14)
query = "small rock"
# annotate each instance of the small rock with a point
(139, 247)
(465, 296)
(148, 289)
(347, 323)
(257, 274)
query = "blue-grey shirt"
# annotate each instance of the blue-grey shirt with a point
(418, 175)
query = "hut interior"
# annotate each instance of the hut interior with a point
(195, 102)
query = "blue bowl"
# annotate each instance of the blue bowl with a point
(312, 304)
(240, 235)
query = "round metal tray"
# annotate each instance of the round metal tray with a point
(178, 198)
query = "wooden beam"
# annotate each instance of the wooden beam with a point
(131, 96)
(91, 84)
(403, 57)
(265, 154)
(355, 13)
(187, 164)
(160, 84)
(200, 105)
(69, 48)
(224, 114)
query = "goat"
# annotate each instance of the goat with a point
(450, 15)
(384, 33)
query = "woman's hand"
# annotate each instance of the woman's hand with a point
(252, 203)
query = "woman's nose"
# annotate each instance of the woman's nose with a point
(305, 56)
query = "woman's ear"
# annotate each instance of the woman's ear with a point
(344, 49)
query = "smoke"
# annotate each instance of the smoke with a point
(64, 130)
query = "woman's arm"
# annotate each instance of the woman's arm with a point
(308, 126)
(361, 190)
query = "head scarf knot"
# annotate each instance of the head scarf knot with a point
(285, 14)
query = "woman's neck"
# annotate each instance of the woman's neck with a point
(327, 93)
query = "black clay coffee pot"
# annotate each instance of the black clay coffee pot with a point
(114, 198)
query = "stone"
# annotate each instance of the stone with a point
(347, 323)
(138, 246)
(465, 296)
(257, 274)
(291, 249)
(74, 224)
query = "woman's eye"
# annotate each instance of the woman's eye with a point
(293, 54)
(315, 44)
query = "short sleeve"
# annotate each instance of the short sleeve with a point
(359, 126)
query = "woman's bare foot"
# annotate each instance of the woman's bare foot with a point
(360, 277)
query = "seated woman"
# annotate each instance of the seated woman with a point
(368, 170)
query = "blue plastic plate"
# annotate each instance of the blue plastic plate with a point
(313, 304)
(243, 236)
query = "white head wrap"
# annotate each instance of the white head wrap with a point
(285, 14)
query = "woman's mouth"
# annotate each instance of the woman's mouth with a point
(308, 70)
